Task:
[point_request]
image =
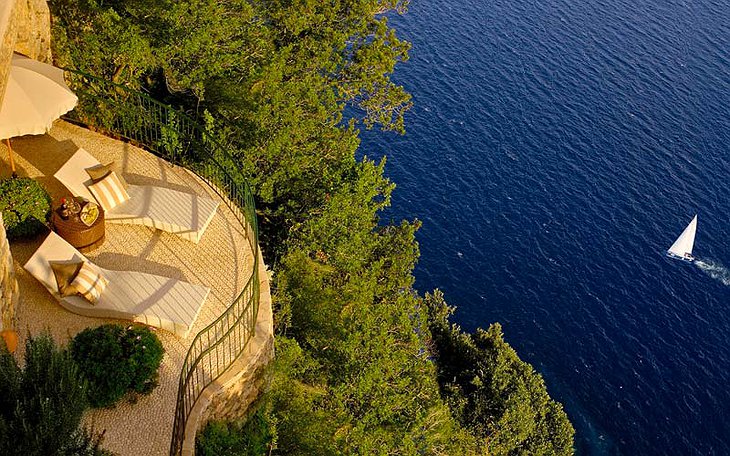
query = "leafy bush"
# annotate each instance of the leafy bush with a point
(41, 405)
(25, 206)
(117, 360)
(254, 437)
(495, 394)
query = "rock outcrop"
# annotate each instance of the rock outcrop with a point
(25, 27)
(33, 29)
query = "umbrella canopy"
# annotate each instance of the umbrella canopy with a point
(35, 96)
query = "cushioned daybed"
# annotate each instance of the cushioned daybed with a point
(162, 302)
(184, 214)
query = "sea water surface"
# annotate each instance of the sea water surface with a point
(555, 150)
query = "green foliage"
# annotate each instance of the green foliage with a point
(298, 395)
(25, 206)
(170, 137)
(498, 396)
(100, 39)
(282, 72)
(42, 404)
(354, 377)
(117, 360)
(253, 437)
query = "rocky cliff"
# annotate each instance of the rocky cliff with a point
(25, 27)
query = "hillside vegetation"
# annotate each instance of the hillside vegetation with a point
(365, 365)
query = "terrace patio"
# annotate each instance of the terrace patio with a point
(223, 261)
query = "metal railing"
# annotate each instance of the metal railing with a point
(174, 136)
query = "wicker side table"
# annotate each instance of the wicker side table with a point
(75, 232)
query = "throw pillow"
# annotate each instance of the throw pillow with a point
(99, 172)
(109, 191)
(89, 283)
(65, 273)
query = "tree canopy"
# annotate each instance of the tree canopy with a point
(281, 72)
(496, 395)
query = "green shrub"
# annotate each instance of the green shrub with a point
(25, 206)
(41, 405)
(255, 437)
(117, 360)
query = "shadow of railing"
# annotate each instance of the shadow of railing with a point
(135, 117)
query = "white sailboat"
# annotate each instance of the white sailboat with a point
(682, 247)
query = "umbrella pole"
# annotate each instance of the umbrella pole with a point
(12, 162)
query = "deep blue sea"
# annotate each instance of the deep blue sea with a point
(556, 149)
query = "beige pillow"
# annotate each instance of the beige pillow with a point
(65, 273)
(89, 283)
(109, 191)
(99, 172)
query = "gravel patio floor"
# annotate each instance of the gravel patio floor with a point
(222, 261)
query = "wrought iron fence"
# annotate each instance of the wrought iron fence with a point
(174, 136)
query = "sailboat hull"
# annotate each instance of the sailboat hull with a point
(686, 257)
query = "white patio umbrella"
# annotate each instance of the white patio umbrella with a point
(35, 96)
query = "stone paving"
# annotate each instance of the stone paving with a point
(222, 261)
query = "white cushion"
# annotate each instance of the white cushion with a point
(153, 300)
(186, 215)
(109, 192)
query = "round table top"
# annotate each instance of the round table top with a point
(74, 222)
(76, 232)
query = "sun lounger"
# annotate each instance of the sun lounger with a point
(162, 302)
(184, 214)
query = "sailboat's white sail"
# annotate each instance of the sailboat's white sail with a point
(682, 247)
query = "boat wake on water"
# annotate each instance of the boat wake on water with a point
(714, 269)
